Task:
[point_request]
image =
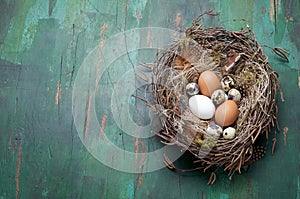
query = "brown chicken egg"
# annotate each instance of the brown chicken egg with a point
(208, 82)
(227, 113)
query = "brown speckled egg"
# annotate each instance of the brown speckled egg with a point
(208, 82)
(227, 113)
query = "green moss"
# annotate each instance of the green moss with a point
(205, 141)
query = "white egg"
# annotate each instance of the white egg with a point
(202, 106)
(229, 133)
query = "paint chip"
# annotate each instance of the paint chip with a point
(58, 93)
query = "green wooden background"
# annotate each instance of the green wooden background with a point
(42, 45)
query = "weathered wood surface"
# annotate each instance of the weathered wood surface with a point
(42, 45)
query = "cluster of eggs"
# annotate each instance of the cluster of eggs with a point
(212, 98)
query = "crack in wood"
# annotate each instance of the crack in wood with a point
(142, 160)
(88, 114)
(102, 128)
(273, 12)
(18, 168)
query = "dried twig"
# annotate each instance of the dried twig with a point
(281, 53)
(212, 178)
(168, 162)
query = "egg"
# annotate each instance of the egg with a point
(208, 82)
(192, 89)
(227, 113)
(227, 83)
(214, 129)
(229, 133)
(218, 97)
(202, 106)
(234, 94)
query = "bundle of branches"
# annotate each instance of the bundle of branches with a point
(234, 54)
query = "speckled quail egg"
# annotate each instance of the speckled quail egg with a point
(234, 95)
(192, 89)
(229, 133)
(218, 97)
(214, 129)
(227, 83)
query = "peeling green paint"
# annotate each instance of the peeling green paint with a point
(75, 14)
(137, 7)
(45, 193)
(59, 11)
(235, 15)
(11, 49)
(298, 187)
(130, 190)
(43, 41)
(266, 34)
(224, 196)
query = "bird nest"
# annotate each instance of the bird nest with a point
(228, 54)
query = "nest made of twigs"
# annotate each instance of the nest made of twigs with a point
(212, 49)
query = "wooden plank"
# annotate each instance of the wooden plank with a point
(42, 46)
